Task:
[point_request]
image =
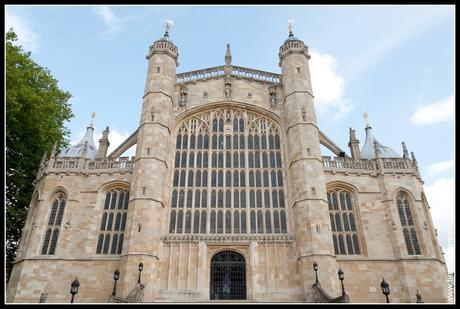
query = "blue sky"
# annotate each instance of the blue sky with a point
(394, 62)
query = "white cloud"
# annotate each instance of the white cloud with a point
(112, 21)
(441, 167)
(328, 86)
(26, 36)
(436, 112)
(441, 196)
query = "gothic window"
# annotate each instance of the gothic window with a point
(343, 226)
(113, 222)
(245, 162)
(54, 225)
(408, 225)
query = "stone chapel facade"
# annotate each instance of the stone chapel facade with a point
(229, 198)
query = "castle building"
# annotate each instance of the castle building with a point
(228, 198)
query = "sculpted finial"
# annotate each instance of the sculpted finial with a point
(168, 25)
(365, 115)
(291, 23)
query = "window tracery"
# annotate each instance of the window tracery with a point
(113, 222)
(408, 225)
(343, 225)
(236, 137)
(54, 225)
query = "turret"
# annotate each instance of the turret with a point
(146, 209)
(78, 150)
(369, 148)
(308, 198)
(103, 144)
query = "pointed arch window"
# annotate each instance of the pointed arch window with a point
(408, 224)
(345, 236)
(113, 221)
(244, 164)
(54, 225)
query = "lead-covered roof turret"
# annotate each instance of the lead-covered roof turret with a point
(368, 150)
(78, 150)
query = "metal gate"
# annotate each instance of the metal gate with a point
(228, 276)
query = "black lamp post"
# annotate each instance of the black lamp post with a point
(385, 288)
(315, 267)
(341, 277)
(141, 267)
(74, 288)
(116, 276)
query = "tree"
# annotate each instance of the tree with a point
(36, 110)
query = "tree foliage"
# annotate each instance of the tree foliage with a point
(36, 110)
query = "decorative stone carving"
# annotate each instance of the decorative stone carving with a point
(304, 114)
(182, 97)
(273, 97)
(228, 89)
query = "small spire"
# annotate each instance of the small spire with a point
(228, 56)
(291, 23)
(377, 149)
(53, 151)
(43, 158)
(105, 133)
(414, 160)
(405, 152)
(168, 25)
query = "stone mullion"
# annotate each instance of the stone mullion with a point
(246, 176)
(209, 170)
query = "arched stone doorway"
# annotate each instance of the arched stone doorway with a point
(228, 276)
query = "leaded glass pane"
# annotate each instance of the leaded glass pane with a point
(188, 221)
(46, 242)
(180, 216)
(54, 240)
(208, 128)
(220, 223)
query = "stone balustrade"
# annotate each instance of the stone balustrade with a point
(236, 72)
(200, 74)
(256, 74)
(346, 163)
(352, 165)
(85, 166)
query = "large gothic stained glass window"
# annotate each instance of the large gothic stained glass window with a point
(343, 222)
(228, 176)
(408, 225)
